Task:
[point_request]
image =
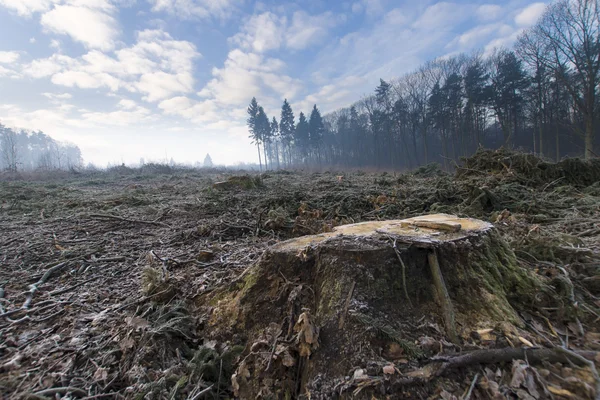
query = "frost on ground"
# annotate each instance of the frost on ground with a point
(139, 284)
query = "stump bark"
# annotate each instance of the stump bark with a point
(315, 306)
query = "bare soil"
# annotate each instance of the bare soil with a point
(108, 281)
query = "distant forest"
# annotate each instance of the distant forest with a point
(539, 96)
(29, 151)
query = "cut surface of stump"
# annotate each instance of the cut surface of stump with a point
(324, 303)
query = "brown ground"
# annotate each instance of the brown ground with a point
(103, 276)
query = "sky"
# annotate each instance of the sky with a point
(162, 79)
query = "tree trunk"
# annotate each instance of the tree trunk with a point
(362, 288)
(259, 159)
(589, 136)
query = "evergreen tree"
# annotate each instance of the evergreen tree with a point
(509, 80)
(477, 94)
(208, 161)
(255, 133)
(263, 126)
(301, 136)
(316, 131)
(286, 129)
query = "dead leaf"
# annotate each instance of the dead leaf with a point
(389, 369)
(523, 395)
(360, 375)
(486, 334)
(525, 342)
(126, 344)
(241, 375)
(560, 392)
(205, 255)
(425, 373)
(519, 373)
(137, 323)
(307, 335)
(14, 363)
(531, 386)
(101, 374)
(98, 318)
(394, 351)
(283, 352)
(444, 394)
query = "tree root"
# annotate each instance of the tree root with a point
(443, 297)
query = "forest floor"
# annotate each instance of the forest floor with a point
(100, 275)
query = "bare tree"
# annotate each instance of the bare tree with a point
(8, 145)
(570, 34)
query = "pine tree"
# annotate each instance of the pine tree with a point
(509, 80)
(253, 128)
(208, 161)
(477, 93)
(301, 136)
(286, 129)
(316, 130)
(263, 126)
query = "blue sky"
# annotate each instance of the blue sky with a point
(125, 79)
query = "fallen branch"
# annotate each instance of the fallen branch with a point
(2, 311)
(61, 390)
(61, 291)
(34, 288)
(138, 301)
(200, 393)
(135, 221)
(441, 365)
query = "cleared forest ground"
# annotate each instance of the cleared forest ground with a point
(103, 278)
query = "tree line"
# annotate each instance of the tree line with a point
(539, 96)
(21, 150)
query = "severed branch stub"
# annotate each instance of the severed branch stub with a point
(455, 271)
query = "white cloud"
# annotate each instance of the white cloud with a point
(57, 96)
(127, 104)
(306, 30)
(268, 31)
(156, 66)
(32, 40)
(45, 67)
(478, 35)
(370, 7)
(8, 57)
(159, 85)
(530, 14)
(8, 73)
(245, 75)
(441, 14)
(85, 80)
(489, 12)
(87, 21)
(195, 8)
(262, 32)
(205, 111)
(334, 95)
(134, 116)
(27, 7)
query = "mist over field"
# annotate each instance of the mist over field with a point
(369, 199)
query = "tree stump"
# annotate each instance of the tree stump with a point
(315, 306)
